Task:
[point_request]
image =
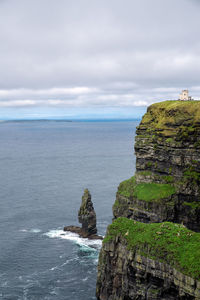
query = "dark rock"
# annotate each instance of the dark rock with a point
(124, 273)
(168, 153)
(82, 233)
(87, 217)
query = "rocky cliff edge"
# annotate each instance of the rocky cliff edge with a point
(160, 257)
(166, 185)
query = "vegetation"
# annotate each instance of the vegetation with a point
(145, 191)
(192, 175)
(162, 116)
(170, 170)
(197, 144)
(153, 191)
(145, 173)
(168, 178)
(122, 205)
(170, 140)
(149, 164)
(193, 204)
(167, 242)
(126, 188)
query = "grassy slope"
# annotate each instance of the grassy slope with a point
(167, 242)
(145, 191)
(160, 115)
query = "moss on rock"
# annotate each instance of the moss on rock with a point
(164, 114)
(166, 242)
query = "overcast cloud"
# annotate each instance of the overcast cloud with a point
(91, 53)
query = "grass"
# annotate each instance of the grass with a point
(126, 188)
(168, 178)
(145, 173)
(153, 191)
(145, 191)
(164, 114)
(166, 242)
(170, 140)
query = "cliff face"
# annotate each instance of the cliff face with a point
(149, 262)
(167, 148)
(157, 260)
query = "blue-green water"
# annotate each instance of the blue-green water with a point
(44, 168)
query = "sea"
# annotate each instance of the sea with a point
(44, 168)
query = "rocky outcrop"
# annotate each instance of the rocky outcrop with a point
(149, 253)
(167, 148)
(87, 217)
(138, 262)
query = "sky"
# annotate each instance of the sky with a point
(96, 58)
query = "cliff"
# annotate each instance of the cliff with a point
(158, 260)
(166, 185)
(149, 261)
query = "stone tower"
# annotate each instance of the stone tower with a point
(184, 95)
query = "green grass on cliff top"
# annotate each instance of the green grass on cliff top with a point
(145, 191)
(167, 242)
(162, 114)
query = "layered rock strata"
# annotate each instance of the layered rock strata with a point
(138, 262)
(144, 257)
(87, 217)
(167, 148)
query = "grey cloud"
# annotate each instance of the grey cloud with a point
(89, 97)
(123, 52)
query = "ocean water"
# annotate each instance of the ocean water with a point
(44, 168)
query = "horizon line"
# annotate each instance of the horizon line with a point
(67, 119)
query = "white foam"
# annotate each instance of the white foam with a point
(85, 279)
(33, 230)
(96, 261)
(66, 235)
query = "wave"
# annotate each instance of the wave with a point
(33, 230)
(84, 243)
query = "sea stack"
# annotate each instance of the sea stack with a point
(87, 217)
